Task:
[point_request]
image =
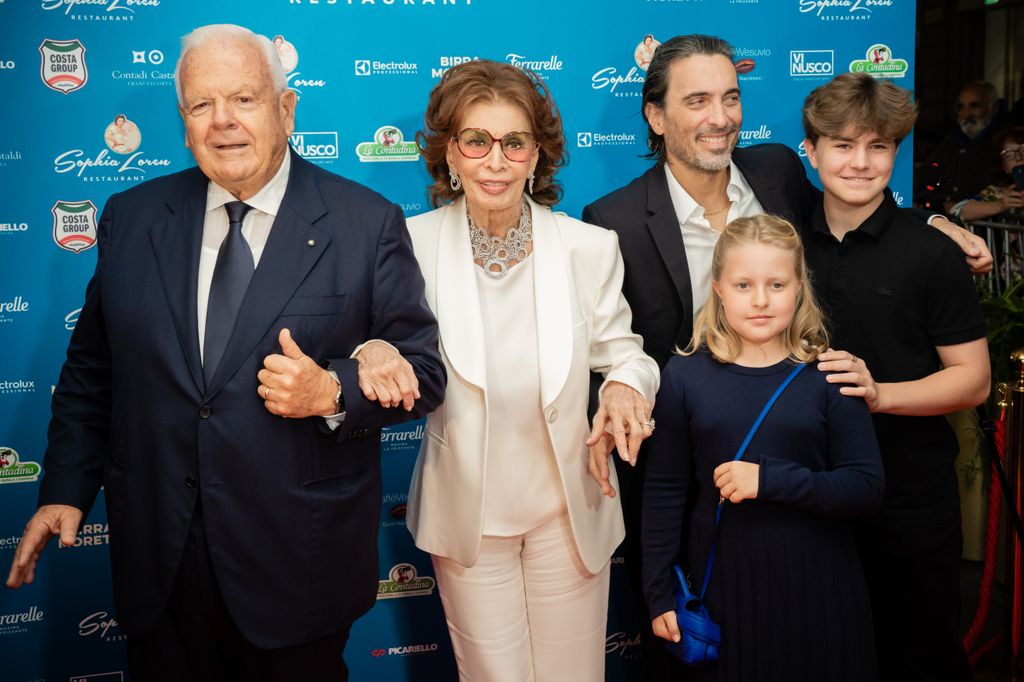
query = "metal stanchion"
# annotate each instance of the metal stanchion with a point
(1013, 463)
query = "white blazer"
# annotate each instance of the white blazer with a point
(583, 324)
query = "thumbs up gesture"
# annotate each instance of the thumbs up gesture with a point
(293, 385)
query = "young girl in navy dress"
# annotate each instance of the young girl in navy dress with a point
(786, 584)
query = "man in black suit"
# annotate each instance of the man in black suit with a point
(220, 387)
(669, 218)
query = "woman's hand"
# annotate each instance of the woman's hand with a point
(624, 417)
(666, 627)
(737, 481)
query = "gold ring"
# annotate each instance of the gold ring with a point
(266, 392)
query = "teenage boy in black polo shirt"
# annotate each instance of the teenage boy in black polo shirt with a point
(901, 302)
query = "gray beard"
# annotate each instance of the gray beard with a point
(975, 128)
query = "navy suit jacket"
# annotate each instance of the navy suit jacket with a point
(657, 283)
(290, 509)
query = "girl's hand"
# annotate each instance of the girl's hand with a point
(737, 481)
(666, 627)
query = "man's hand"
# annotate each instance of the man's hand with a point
(292, 385)
(666, 626)
(737, 481)
(627, 416)
(48, 521)
(387, 377)
(979, 258)
(852, 370)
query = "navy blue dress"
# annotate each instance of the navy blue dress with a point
(786, 586)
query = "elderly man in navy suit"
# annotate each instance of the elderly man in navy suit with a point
(251, 325)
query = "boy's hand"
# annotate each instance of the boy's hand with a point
(852, 370)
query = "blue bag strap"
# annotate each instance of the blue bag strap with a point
(739, 454)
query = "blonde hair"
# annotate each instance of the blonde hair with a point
(805, 338)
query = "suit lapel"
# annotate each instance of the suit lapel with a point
(177, 243)
(293, 248)
(551, 297)
(765, 183)
(458, 302)
(663, 224)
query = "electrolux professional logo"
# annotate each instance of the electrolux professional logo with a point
(629, 83)
(144, 70)
(8, 386)
(11, 307)
(404, 582)
(879, 62)
(757, 135)
(843, 10)
(387, 145)
(448, 61)
(319, 146)
(14, 470)
(74, 225)
(543, 66)
(407, 650)
(19, 622)
(811, 63)
(13, 228)
(123, 137)
(588, 139)
(100, 625)
(100, 10)
(62, 66)
(289, 57)
(376, 67)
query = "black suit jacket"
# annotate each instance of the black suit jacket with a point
(657, 282)
(290, 509)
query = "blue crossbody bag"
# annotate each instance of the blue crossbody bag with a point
(699, 636)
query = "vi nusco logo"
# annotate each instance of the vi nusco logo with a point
(15, 470)
(127, 163)
(100, 10)
(811, 63)
(74, 225)
(586, 140)
(20, 621)
(375, 67)
(404, 582)
(9, 307)
(843, 10)
(289, 57)
(879, 62)
(63, 65)
(446, 62)
(144, 70)
(622, 82)
(320, 146)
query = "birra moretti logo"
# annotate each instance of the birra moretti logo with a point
(74, 225)
(387, 145)
(403, 582)
(63, 65)
(879, 62)
(13, 470)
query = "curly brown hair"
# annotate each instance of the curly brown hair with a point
(488, 81)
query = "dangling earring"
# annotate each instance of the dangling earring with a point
(529, 187)
(455, 182)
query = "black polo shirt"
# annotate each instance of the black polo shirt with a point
(892, 290)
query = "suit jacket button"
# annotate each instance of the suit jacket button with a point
(205, 411)
(552, 415)
(190, 481)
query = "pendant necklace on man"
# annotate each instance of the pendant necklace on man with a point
(496, 252)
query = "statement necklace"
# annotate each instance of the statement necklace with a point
(495, 252)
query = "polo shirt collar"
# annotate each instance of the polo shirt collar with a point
(874, 226)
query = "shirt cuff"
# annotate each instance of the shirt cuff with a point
(335, 420)
(366, 343)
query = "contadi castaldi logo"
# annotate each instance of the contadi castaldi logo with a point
(74, 225)
(879, 62)
(63, 65)
(14, 470)
(404, 582)
(387, 145)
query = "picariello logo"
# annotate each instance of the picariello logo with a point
(403, 581)
(100, 10)
(880, 63)
(6, 65)
(63, 65)
(74, 225)
(318, 146)
(15, 470)
(811, 63)
(13, 228)
(407, 650)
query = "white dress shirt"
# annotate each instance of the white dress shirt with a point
(699, 238)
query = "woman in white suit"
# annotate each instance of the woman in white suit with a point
(528, 303)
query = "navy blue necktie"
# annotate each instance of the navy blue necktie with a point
(231, 278)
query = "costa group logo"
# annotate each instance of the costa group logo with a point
(13, 228)
(148, 74)
(403, 581)
(99, 10)
(588, 139)
(811, 63)
(628, 84)
(542, 67)
(11, 307)
(74, 225)
(62, 67)
(879, 62)
(20, 621)
(387, 145)
(289, 57)
(101, 625)
(843, 10)
(315, 146)
(757, 135)
(123, 137)
(14, 470)
(446, 62)
(407, 650)
(375, 67)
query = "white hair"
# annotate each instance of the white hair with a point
(231, 32)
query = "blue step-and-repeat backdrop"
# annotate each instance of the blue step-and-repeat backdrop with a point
(89, 109)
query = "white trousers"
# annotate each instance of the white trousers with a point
(528, 611)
